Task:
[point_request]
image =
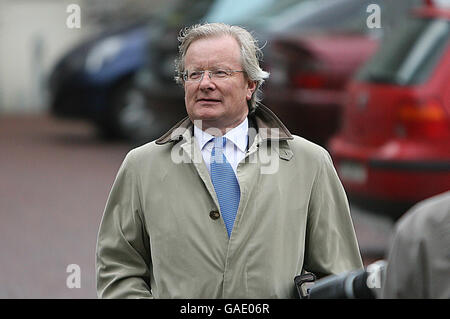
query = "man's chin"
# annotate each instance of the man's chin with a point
(207, 121)
(207, 115)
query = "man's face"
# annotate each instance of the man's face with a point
(219, 103)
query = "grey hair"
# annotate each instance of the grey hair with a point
(251, 54)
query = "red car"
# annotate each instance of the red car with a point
(394, 146)
(311, 64)
(308, 79)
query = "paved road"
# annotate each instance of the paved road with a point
(54, 180)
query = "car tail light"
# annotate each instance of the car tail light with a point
(314, 76)
(309, 80)
(428, 120)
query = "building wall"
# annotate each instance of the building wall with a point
(33, 34)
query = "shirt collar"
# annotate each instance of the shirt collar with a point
(237, 135)
(263, 118)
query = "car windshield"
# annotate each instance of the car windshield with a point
(183, 13)
(408, 56)
(340, 16)
(306, 15)
(254, 13)
(322, 14)
(259, 11)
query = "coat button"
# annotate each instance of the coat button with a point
(214, 214)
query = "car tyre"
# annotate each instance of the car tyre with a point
(132, 118)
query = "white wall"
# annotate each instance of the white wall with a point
(32, 35)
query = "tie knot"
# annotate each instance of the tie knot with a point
(219, 142)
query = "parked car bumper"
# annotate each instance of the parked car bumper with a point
(396, 171)
(79, 101)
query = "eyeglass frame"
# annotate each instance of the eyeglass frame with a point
(229, 73)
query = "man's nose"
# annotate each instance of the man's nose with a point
(205, 81)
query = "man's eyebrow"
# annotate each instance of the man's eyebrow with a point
(219, 65)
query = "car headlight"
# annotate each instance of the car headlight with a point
(103, 52)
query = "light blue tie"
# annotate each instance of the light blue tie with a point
(225, 183)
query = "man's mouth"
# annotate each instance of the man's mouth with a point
(208, 100)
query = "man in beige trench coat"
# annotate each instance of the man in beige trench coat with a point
(168, 232)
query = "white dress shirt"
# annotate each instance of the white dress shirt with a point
(235, 148)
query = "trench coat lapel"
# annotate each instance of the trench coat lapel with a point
(194, 156)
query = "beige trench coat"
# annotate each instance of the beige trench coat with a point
(162, 236)
(419, 252)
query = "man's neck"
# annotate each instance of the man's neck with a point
(215, 129)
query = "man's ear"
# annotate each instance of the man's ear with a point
(251, 87)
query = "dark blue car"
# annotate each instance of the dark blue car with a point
(92, 81)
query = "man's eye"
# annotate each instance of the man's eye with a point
(220, 73)
(195, 75)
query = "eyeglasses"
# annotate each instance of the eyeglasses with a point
(197, 76)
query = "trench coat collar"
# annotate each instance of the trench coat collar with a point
(264, 119)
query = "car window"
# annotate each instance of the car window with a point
(341, 16)
(185, 13)
(327, 15)
(227, 11)
(253, 12)
(409, 55)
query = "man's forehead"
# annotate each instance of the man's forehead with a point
(216, 50)
(220, 38)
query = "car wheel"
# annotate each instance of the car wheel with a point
(132, 115)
